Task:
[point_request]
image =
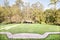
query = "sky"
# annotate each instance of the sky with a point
(43, 2)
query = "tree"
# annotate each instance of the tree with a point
(37, 12)
(57, 17)
(27, 15)
(16, 14)
(50, 17)
(54, 2)
(6, 3)
(1, 14)
(7, 11)
(19, 3)
(10, 11)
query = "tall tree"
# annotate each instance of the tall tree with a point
(54, 2)
(37, 12)
(19, 3)
(49, 15)
(8, 10)
(6, 3)
(57, 16)
(1, 14)
(26, 12)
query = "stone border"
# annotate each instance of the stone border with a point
(28, 35)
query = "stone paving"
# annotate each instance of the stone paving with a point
(28, 35)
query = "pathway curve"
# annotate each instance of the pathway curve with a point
(28, 35)
(9, 27)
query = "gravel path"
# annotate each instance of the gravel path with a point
(28, 35)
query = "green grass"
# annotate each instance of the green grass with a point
(3, 37)
(33, 28)
(55, 37)
(5, 25)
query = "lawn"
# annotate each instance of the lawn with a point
(32, 28)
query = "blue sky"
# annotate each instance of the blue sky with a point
(44, 2)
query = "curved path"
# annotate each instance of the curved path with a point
(7, 28)
(28, 35)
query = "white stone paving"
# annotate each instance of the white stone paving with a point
(28, 35)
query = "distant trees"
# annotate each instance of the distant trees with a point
(57, 20)
(37, 12)
(54, 2)
(12, 14)
(50, 17)
(6, 3)
(20, 13)
(33, 12)
(1, 14)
